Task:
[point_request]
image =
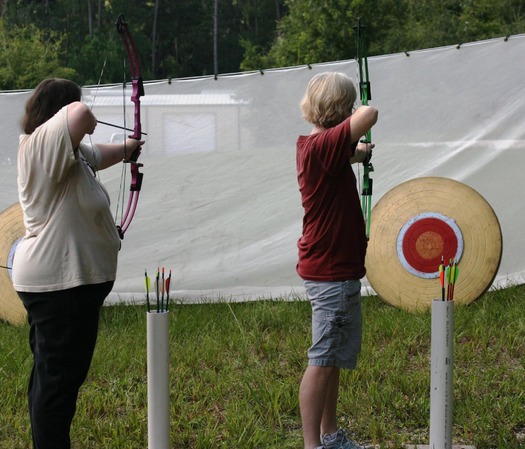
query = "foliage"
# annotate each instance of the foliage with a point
(178, 38)
(28, 56)
(317, 31)
(235, 371)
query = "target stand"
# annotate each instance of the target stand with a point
(418, 222)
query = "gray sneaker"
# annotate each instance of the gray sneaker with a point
(339, 441)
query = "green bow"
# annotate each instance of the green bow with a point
(364, 90)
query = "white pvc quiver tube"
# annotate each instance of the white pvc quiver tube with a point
(158, 380)
(441, 374)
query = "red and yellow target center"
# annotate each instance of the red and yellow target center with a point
(429, 245)
(424, 240)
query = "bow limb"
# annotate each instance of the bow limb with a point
(365, 93)
(137, 92)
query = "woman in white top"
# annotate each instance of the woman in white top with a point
(66, 264)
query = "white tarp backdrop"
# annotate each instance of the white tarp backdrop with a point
(220, 204)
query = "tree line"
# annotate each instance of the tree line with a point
(77, 39)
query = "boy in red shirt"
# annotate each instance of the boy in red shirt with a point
(332, 248)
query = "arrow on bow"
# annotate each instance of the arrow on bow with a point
(366, 95)
(137, 92)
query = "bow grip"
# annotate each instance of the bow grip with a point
(364, 90)
(368, 187)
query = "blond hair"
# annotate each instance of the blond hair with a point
(329, 99)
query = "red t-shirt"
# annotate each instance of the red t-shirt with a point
(333, 244)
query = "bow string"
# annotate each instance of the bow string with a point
(136, 93)
(366, 95)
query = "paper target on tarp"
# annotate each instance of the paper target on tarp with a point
(11, 232)
(414, 225)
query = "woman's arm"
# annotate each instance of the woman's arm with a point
(113, 153)
(80, 121)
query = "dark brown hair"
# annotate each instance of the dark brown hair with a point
(49, 97)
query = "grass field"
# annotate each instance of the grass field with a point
(235, 371)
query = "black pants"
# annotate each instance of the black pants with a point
(62, 336)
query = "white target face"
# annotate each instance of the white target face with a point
(416, 224)
(424, 240)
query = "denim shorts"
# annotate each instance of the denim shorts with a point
(336, 323)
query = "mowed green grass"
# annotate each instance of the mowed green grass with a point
(235, 372)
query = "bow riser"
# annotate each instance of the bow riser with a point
(136, 77)
(137, 92)
(366, 96)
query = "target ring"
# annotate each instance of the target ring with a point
(11, 232)
(416, 223)
(424, 239)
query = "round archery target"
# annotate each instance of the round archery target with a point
(11, 231)
(417, 223)
(424, 240)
